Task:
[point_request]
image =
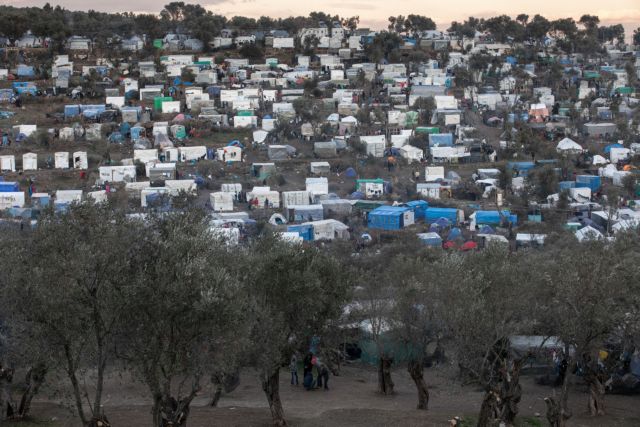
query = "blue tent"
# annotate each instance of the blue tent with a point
(350, 173)
(357, 195)
(235, 143)
(485, 229)
(454, 233)
(608, 148)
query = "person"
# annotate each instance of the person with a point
(307, 363)
(323, 375)
(293, 367)
(416, 175)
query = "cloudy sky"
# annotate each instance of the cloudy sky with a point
(374, 13)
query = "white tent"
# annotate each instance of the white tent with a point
(259, 136)
(80, 160)
(599, 160)
(568, 145)
(588, 233)
(61, 160)
(30, 162)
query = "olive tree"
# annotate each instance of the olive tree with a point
(182, 321)
(63, 286)
(294, 292)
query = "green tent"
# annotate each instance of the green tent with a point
(157, 102)
(427, 129)
(245, 113)
(411, 119)
(158, 43)
(624, 90)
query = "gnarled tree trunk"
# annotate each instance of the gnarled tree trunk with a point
(489, 409)
(35, 378)
(171, 412)
(415, 370)
(385, 384)
(596, 394)
(511, 393)
(6, 405)
(271, 387)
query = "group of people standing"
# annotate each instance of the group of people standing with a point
(310, 361)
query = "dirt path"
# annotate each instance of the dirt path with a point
(351, 401)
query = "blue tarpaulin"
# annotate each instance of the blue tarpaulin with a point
(440, 140)
(9, 187)
(387, 217)
(432, 214)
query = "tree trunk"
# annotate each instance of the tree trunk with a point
(71, 372)
(35, 378)
(385, 384)
(489, 409)
(596, 396)
(216, 394)
(6, 405)
(565, 413)
(271, 388)
(171, 412)
(416, 372)
(511, 393)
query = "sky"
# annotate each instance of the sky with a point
(374, 13)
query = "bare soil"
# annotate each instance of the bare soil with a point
(351, 401)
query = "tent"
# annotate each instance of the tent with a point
(588, 233)
(468, 246)
(568, 145)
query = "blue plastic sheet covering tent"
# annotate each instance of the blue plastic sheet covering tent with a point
(40, 202)
(71, 111)
(305, 231)
(6, 94)
(25, 87)
(432, 214)
(589, 181)
(116, 138)
(357, 195)
(495, 217)
(439, 225)
(430, 239)
(440, 140)
(25, 71)
(9, 187)
(608, 148)
(20, 213)
(308, 213)
(136, 132)
(235, 143)
(125, 128)
(486, 229)
(92, 111)
(350, 173)
(454, 233)
(418, 207)
(213, 91)
(211, 153)
(566, 185)
(387, 217)
(520, 168)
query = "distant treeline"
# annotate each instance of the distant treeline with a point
(584, 35)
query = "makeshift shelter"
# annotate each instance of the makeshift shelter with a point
(61, 160)
(8, 163)
(568, 145)
(221, 201)
(80, 160)
(30, 162)
(430, 239)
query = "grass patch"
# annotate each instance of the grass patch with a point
(530, 422)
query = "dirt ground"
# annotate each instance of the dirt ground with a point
(351, 401)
